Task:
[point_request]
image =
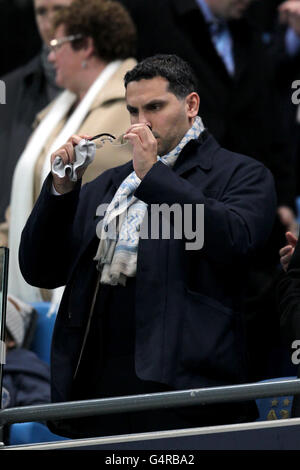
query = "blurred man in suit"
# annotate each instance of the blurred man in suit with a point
(28, 90)
(240, 105)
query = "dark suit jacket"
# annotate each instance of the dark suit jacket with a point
(190, 301)
(241, 112)
(288, 295)
(26, 95)
(19, 34)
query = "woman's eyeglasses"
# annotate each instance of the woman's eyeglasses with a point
(56, 44)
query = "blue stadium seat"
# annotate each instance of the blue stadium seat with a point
(33, 432)
(41, 343)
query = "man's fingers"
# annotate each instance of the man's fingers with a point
(132, 136)
(70, 152)
(62, 154)
(143, 130)
(285, 250)
(291, 239)
(139, 125)
(66, 153)
(75, 139)
(285, 261)
(143, 137)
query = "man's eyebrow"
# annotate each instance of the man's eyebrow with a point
(131, 108)
(155, 101)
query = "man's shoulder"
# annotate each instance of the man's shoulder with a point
(224, 156)
(228, 164)
(246, 165)
(21, 73)
(239, 158)
(228, 156)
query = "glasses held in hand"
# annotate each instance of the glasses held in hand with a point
(84, 154)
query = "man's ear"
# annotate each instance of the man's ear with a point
(192, 104)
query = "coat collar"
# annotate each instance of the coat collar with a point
(197, 152)
(114, 89)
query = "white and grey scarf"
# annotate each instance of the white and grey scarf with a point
(119, 230)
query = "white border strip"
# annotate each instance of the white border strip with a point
(282, 423)
(2, 352)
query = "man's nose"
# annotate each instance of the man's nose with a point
(142, 119)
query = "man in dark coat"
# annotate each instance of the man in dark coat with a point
(288, 297)
(238, 96)
(148, 312)
(241, 107)
(28, 90)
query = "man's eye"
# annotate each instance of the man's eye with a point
(155, 107)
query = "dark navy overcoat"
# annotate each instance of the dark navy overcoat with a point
(188, 302)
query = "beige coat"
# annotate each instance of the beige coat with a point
(108, 113)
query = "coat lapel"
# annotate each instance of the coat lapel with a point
(118, 175)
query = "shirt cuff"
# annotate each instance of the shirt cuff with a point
(54, 192)
(292, 42)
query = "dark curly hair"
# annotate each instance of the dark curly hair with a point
(107, 22)
(179, 74)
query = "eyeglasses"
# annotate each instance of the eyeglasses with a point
(84, 158)
(56, 44)
(101, 139)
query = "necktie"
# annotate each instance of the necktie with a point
(223, 43)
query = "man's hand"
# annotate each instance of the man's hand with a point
(67, 153)
(144, 148)
(288, 219)
(289, 14)
(287, 251)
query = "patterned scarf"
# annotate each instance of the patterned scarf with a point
(120, 228)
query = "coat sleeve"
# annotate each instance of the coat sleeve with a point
(288, 295)
(47, 241)
(237, 223)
